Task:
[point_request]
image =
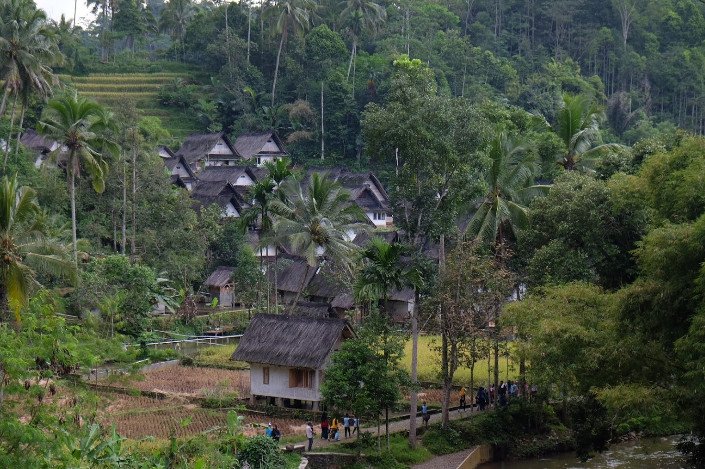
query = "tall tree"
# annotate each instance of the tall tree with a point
(317, 220)
(79, 124)
(578, 126)
(28, 50)
(361, 16)
(25, 248)
(502, 210)
(294, 15)
(175, 19)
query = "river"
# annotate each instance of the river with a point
(646, 453)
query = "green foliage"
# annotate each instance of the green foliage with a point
(582, 231)
(261, 452)
(588, 420)
(110, 275)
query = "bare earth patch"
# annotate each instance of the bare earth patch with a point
(177, 380)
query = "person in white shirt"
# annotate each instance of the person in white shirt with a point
(309, 434)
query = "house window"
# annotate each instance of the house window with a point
(379, 216)
(301, 378)
(259, 161)
(265, 375)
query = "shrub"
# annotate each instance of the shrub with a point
(261, 452)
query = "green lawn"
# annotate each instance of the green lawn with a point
(430, 364)
(218, 356)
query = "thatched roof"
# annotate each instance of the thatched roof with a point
(290, 341)
(229, 174)
(38, 143)
(217, 192)
(197, 147)
(291, 278)
(406, 295)
(165, 152)
(171, 163)
(251, 144)
(363, 239)
(220, 277)
(310, 308)
(343, 301)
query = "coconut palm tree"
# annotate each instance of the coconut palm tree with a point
(79, 124)
(510, 185)
(294, 15)
(175, 18)
(382, 271)
(25, 248)
(361, 16)
(317, 220)
(27, 51)
(578, 126)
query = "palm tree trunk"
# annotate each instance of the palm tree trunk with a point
(249, 29)
(3, 104)
(123, 244)
(276, 279)
(414, 370)
(353, 50)
(323, 140)
(276, 67)
(9, 134)
(133, 241)
(72, 195)
(75, 4)
(292, 309)
(19, 129)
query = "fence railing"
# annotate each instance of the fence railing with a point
(206, 339)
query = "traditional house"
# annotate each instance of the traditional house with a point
(220, 193)
(288, 356)
(220, 286)
(180, 171)
(260, 147)
(165, 152)
(365, 190)
(40, 145)
(238, 176)
(202, 150)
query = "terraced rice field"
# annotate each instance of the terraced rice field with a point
(114, 90)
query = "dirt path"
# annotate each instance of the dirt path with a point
(447, 461)
(394, 427)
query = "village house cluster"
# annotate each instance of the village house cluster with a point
(285, 368)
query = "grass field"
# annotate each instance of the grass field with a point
(114, 89)
(430, 364)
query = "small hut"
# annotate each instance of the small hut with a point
(220, 285)
(287, 357)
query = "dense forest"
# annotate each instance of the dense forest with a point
(544, 164)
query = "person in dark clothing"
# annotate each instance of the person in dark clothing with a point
(276, 434)
(502, 393)
(346, 425)
(482, 398)
(324, 429)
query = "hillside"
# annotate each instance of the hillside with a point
(114, 89)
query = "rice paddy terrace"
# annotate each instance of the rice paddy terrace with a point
(114, 89)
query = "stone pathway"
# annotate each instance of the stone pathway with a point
(447, 461)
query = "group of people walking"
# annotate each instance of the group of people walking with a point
(330, 429)
(272, 431)
(500, 395)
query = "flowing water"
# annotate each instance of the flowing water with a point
(647, 453)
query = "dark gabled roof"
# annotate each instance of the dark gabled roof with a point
(309, 308)
(171, 163)
(343, 301)
(290, 341)
(406, 295)
(36, 142)
(366, 199)
(225, 173)
(296, 275)
(250, 144)
(363, 239)
(220, 277)
(166, 149)
(207, 193)
(197, 147)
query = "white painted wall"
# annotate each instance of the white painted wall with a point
(265, 251)
(371, 216)
(230, 211)
(220, 148)
(244, 180)
(279, 384)
(271, 147)
(261, 160)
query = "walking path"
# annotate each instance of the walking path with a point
(447, 461)
(394, 427)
